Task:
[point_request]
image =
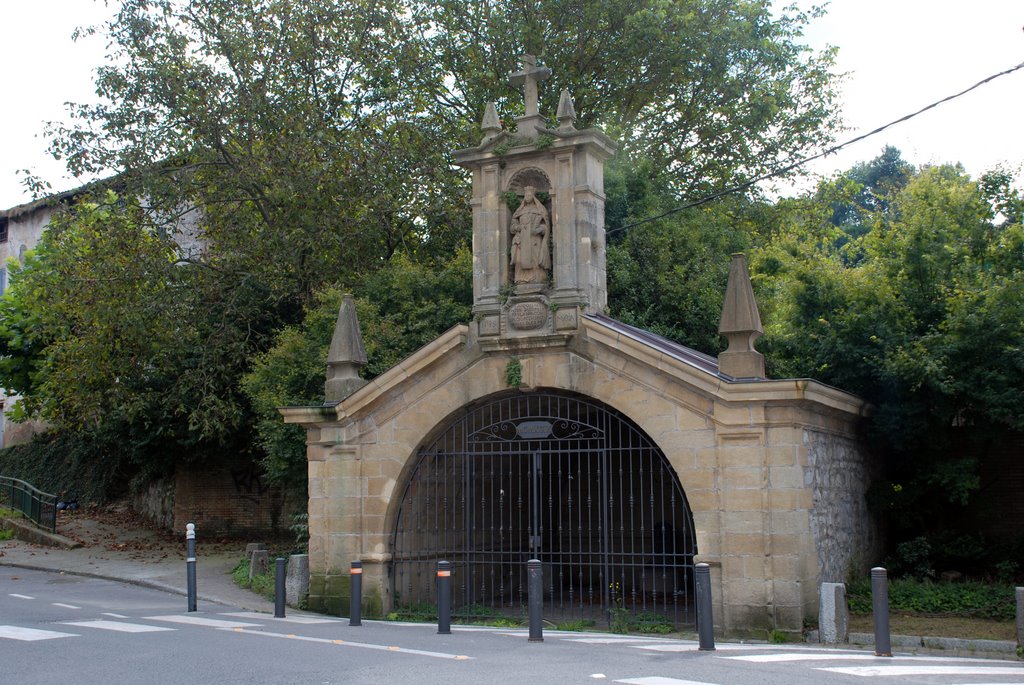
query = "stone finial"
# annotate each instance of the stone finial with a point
(566, 112)
(740, 324)
(491, 125)
(346, 354)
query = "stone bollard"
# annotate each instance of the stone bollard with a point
(259, 563)
(1020, 616)
(297, 580)
(833, 614)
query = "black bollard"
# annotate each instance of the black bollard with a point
(190, 564)
(880, 609)
(356, 603)
(705, 620)
(279, 591)
(444, 598)
(535, 599)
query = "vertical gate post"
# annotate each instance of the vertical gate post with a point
(535, 600)
(705, 619)
(1020, 616)
(355, 613)
(880, 610)
(190, 564)
(444, 598)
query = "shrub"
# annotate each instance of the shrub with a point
(978, 600)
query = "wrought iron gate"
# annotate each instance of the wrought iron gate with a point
(556, 477)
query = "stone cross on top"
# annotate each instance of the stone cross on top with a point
(528, 77)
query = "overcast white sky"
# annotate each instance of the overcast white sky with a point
(900, 55)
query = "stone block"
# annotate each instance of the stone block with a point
(786, 476)
(833, 614)
(259, 563)
(296, 584)
(740, 456)
(253, 547)
(1020, 615)
(739, 522)
(740, 478)
(747, 499)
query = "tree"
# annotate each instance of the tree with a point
(401, 307)
(307, 142)
(923, 316)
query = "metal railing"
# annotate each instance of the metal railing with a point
(38, 506)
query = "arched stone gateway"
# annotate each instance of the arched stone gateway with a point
(556, 477)
(544, 427)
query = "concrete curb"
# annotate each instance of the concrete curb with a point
(956, 646)
(140, 582)
(29, 532)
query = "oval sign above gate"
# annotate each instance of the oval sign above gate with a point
(533, 430)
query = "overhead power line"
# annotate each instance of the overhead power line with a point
(804, 160)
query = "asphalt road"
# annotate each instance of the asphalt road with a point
(68, 629)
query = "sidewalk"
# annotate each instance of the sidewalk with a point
(118, 547)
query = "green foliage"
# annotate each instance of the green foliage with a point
(919, 309)
(979, 600)
(263, 584)
(66, 464)
(401, 307)
(668, 276)
(577, 625)
(6, 534)
(514, 373)
(421, 612)
(778, 637)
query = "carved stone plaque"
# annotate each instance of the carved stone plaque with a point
(527, 316)
(490, 325)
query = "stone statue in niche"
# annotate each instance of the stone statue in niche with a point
(531, 228)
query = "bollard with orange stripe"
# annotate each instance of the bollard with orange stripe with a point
(356, 585)
(444, 598)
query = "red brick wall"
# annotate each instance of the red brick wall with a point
(229, 499)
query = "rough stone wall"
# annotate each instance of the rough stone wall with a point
(155, 503)
(838, 473)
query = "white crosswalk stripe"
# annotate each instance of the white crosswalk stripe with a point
(118, 626)
(923, 669)
(660, 680)
(65, 606)
(304, 620)
(203, 621)
(15, 594)
(31, 634)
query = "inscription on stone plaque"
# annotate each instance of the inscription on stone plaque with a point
(565, 319)
(490, 325)
(527, 316)
(533, 430)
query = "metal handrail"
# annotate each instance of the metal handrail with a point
(38, 506)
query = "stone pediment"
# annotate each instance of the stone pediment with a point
(474, 369)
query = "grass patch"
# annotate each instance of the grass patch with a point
(578, 625)
(6, 534)
(940, 626)
(927, 598)
(6, 513)
(262, 584)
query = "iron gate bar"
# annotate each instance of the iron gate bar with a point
(559, 477)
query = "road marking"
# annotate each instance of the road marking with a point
(777, 658)
(66, 606)
(15, 594)
(846, 656)
(118, 626)
(892, 671)
(288, 619)
(202, 621)
(360, 645)
(669, 647)
(30, 634)
(660, 680)
(106, 613)
(612, 640)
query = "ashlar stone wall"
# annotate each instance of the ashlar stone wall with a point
(740, 451)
